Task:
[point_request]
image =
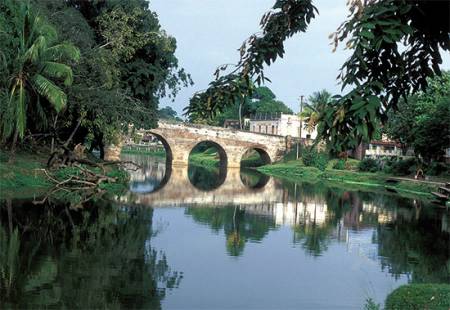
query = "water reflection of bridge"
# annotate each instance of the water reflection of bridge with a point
(176, 189)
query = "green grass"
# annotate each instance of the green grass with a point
(205, 159)
(296, 171)
(144, 151)
(210, 158)
(25, 177)
(22, 178)
(419, 296)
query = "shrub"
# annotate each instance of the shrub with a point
(340, 165)
(419, 296)
(437, 168)
(321, 161)
(368, 165)
(404, 167)
(309, 156)
(312, 158)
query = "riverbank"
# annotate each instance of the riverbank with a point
(296, 171)
(144, 151)
(28, 176)
(419, 296)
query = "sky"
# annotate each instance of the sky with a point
(209, 32)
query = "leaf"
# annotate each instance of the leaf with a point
(58, 70)
(357, 104)
(50, 91)
(367, 34)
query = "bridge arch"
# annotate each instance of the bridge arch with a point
(255, 156)
(166, 145)
(204, 145)
(181, 138)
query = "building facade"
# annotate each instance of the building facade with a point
(281, 125)
(383, 148)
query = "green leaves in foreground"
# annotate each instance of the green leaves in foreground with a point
(34, 69)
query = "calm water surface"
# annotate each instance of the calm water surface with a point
(198, 238)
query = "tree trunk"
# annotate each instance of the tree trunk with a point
(12, 157)
(101, 147)
(240, 115)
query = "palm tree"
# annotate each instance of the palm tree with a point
(33, 71)
(316, 104)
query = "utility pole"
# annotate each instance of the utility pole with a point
(299, 142)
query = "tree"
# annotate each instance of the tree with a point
(262, 101)
(127, 65)
(423, 121)
(168, 113)
(318, 102)
(272, 107)
(396, 46)
(34, 72)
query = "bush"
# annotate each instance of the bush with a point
(340, 165)
(312, 158)
(419, 296)
(309, 156)
(437, 168)
(368, 165)
(404, 167)
(321, 161)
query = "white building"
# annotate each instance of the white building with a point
(281, 125)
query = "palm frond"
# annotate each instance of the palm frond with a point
(62, 51)
(59, 71)
(17, 105)
(50, 91)
(45, 29)
(32, 53)
(42, 116)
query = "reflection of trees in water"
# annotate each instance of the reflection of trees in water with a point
(412, 241)
(150, 174)
(206, 178)
(238, 225)
(417, 247)
(96, 258)
(411, 235)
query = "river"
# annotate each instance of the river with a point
(197, 238)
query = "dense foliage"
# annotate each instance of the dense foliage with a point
(317, 103)
(423, 122)
(126, 62)
(396, 46)
(262, 102)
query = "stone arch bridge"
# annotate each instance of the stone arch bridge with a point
(180, 138)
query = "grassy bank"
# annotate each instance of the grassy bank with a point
(210, 158)
(296, 171)
(25, 178)
(207, 159)
(144, 151)
(419, 296)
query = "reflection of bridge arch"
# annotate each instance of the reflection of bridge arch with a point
(261, 179)
(178, 190)
(181, 138)
(205, 180)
